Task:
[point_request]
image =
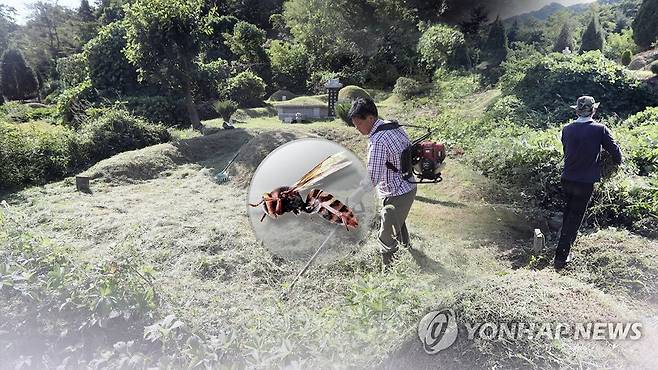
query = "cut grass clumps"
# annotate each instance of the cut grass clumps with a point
(258, 148)
(532, 297)
(618, 263)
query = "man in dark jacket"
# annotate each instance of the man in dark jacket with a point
(582, 141)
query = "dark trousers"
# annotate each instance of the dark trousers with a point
(577, 196)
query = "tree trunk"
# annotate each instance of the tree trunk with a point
(191, 108)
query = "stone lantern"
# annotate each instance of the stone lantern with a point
(333, 86)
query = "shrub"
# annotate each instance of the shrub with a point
(647, 117)
(211, 79)
(246, 89)
(342, 110)
(112, 131)
(654, 67)
(225, 109)
(407, 88)
(626, 58)
(72, 70)
(531, 161)
(18, 112)
(554, 82)
(617, 44)
(165, 110)
(351, 93)
(36, 152)
(72, 103)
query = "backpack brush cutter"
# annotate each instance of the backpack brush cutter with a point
(422, 159)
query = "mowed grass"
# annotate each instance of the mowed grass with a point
(163, 207)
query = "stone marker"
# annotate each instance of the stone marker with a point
(82, 184)
(539, 241)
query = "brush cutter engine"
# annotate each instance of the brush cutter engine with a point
(422, 159)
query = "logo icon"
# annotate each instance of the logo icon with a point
(438, 330)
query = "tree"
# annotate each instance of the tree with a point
(565, 40)
(87, 25)
(645, 24)
(246, 43)
(108, 66)
(439, 46)
(513, 33)
(593, 38)
(626, 57)
(16, 77)
(49, 34)
(7, 25)
(289, 65)
(471, 28)
(84, 12)
(163, 39)
(495, 48)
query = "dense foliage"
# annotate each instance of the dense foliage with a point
(553, 83)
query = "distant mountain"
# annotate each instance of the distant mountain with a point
(550, 9)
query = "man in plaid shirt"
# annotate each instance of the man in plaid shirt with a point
(396, 193)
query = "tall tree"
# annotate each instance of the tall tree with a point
(513, 33)
(495, 48)
(7, 25)
(84, 12)
(17, 80)
(564, 40)
(593, 38)
(163, 39)
(645, 24)
(247, 44)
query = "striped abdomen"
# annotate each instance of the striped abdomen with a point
(330, 208)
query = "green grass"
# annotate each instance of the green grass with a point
(161, 208)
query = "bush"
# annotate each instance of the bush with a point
(211, 79)
(37, 152)
(112, 131)
(342, 110)
(554, 82)
(406, 88)
(626, 58)
(18, 112)
(165, 110)
(225, 109)
(246, 89)
(531, 161)
(647, 117)
(72, 103)
(350, 93)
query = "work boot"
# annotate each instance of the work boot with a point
(387, 260)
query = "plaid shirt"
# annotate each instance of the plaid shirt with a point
(386, 146)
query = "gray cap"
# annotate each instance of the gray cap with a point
(585, 105)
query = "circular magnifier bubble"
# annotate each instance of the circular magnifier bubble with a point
(298, 236)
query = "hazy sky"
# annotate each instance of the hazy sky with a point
(506, 8)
